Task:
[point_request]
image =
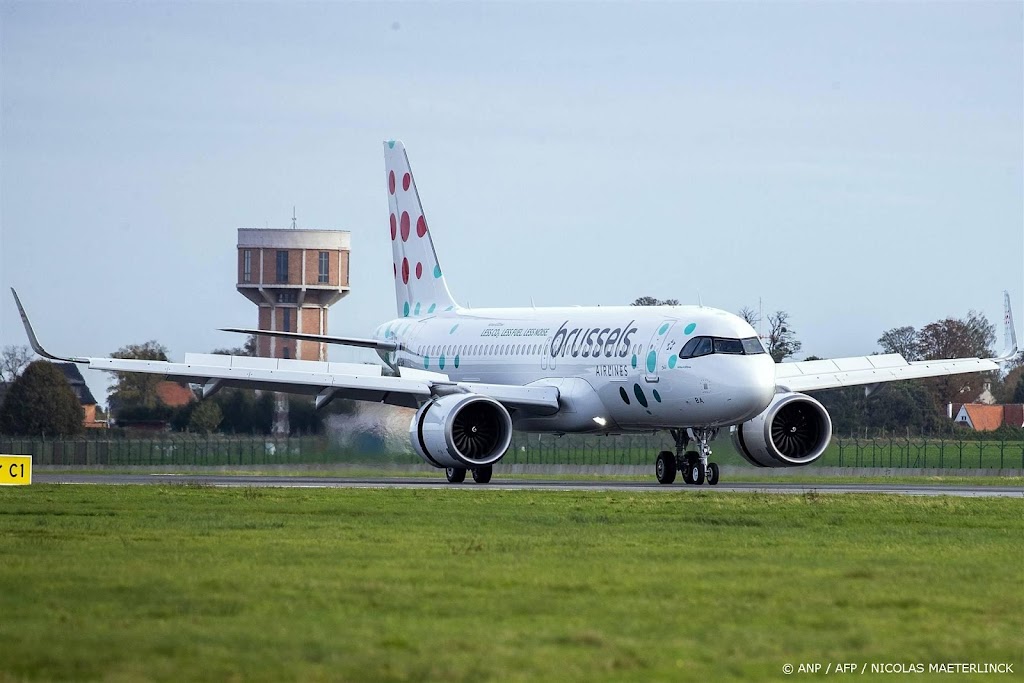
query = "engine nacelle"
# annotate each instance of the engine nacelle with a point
(461, 430)
(793, 430)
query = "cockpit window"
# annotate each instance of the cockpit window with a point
(703, 346)
(733, 346)
(752, 345)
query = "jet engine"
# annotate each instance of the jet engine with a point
(461, 430)
(793, 430)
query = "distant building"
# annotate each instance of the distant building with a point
(982, 417)
(293, 276)
(82, 393)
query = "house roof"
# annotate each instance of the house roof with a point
(173, 394)
(77, 382)
(984, 417)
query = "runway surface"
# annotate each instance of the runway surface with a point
(528, 484)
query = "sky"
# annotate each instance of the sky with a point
(859, 165)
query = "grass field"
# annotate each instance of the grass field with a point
(176, 583)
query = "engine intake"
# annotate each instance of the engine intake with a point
(461, 430)
(793, 430)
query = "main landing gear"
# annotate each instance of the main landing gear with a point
(694, 464)
(457, 475)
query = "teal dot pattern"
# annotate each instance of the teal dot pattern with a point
(672, 361)
(417, 311)
(634, 361)
(454, 327)
(426, 362)
(690, 328)
(456, 361)
(406, 309)
(440, 362)
(663, 329)
(652, 360)
(437, 270)
(432, 307)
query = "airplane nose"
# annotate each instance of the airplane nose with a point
(760, 384)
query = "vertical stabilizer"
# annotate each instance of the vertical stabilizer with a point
(420, 288)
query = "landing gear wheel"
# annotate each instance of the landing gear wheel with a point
(455, 475)
(713, 474)
(482, 475)
(690, 460)
(696, 473)
(665, 467)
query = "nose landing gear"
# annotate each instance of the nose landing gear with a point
(694, 464)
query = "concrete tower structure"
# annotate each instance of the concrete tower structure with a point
(293, 276)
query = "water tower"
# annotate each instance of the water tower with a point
(292, 276)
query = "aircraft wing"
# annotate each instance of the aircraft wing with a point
(812, 375)
(326, 381)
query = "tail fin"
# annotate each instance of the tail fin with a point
(420, 288)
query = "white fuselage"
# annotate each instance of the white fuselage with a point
(617, 368)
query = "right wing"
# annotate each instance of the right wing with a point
(811, 375)
(326, 381)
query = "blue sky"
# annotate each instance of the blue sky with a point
(856, 164)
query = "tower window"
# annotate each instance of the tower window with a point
(286, 319)
(282, 266)
(247, 265)
(325, 266)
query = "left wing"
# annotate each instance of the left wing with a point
(810, 375)
(326, 381)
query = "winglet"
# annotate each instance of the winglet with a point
(36, 346)
(1009, 332)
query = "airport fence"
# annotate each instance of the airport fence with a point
(950, 452)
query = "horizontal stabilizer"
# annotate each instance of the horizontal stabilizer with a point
(322, 338)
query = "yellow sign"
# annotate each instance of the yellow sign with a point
(15, 470)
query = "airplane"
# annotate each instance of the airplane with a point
(475, 375)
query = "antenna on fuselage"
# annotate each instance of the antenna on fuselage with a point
(699, 302)
(533, 305)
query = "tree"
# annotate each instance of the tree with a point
(134, 388)
(782, 341)
(247, 349)
(651, 301)
(901, 340)
(40, 402)
(1018, 392)
(14, 360)
(970, 337)
(205, 417)
(749, 316)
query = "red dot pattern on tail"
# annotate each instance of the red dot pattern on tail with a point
(405, 226)
(405, 270)
(391, 182)
(421, 227)
(406, 180)
(419, 270)
(394, 227)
